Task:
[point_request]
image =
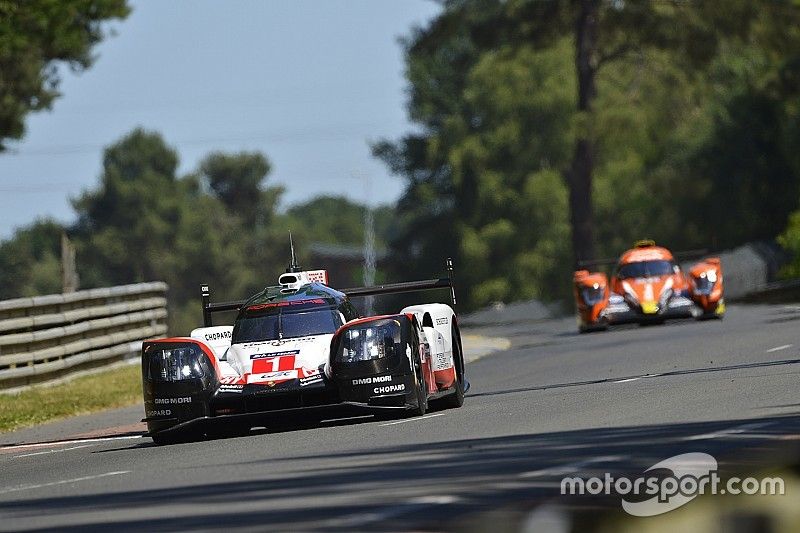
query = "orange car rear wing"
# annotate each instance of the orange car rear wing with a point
(683, 255)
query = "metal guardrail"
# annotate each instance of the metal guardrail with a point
(47, 337)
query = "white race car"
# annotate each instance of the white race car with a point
(300, 350)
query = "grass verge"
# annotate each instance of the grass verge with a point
(112, 388)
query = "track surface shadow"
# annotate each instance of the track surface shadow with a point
(448, 468)
(723, 368)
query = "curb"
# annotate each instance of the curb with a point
(478, 346)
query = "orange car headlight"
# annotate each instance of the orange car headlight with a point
(704, 283)
(593, 294)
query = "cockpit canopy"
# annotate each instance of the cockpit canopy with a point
(647, 269)
(274, 314)
(285, 323)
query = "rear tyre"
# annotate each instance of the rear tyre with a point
(456, 398)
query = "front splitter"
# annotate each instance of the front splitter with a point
(340, 409)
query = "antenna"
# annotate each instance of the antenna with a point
(450, 274)
(293, 267)
(205, 294)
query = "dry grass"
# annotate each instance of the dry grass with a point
(112, 388)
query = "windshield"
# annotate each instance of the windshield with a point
(646, 269)
(277, 326)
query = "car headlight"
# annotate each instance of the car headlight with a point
(594, 294)
(372, 340)
(630, 295)
(175, 364)
(704, 283)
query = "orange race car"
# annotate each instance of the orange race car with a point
(648, 286)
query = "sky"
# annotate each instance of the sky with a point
(310, 83)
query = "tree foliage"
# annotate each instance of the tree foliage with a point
(219, 224)
(145, 223)
(36, 38)
(684, 132)
(30, 263)
(128, 224)
(684, 121)
(236, 180)
(336, 220)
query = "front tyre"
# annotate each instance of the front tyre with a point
(420, 390)
(591, 327)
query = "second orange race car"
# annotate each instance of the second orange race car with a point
(648, 286)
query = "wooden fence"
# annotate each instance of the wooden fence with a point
(47, 337)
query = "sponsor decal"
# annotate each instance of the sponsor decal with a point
(274, 354)
(310, 380)
(161, 412)
(441, 361)
(218, 335)
(274, 377)
(272, 305)
(284, 374)
(317, 276)
(371, 380)
(441, 321)
(273, 363)
(231, 388)
(390, 388)
(169, 401)
(307, 372)
(280, 342)
(229, 380)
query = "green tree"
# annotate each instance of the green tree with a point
(37, 38)
(256, 240)
(144, 222)
(336, 220)
(30, 262)
(617, 98)
(127, 226)
(750, 164)
(236, 179)
(790, 241)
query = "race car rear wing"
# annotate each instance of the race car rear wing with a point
(389, 288)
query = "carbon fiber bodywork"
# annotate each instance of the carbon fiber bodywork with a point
(389, 382)
(621, 312)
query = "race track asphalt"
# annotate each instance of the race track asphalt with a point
(556, 403)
